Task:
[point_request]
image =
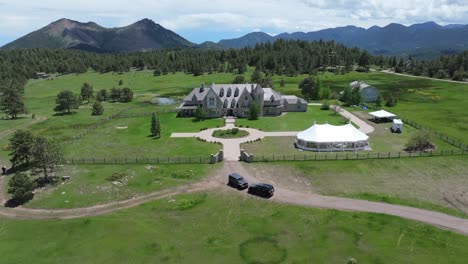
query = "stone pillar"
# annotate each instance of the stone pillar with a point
(220, 155)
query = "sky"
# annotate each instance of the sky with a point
(213, 20)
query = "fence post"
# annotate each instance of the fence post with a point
(388, 154)
(378, 155)
(399, 154)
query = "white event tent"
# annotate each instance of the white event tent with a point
(328, 137)
(382, 115)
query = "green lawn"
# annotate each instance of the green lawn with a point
(228, 229)
(90, 185)
(436, 183)
(294, 121)
(130, 138)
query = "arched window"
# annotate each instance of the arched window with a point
(229, 92)
(225, 105)
(233, 103)
(221, 92)
(236, 92)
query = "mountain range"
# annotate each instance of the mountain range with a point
(425, 39)
(64, 33)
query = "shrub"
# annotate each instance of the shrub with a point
(325, 105)
(420, 141)
(21, 188)
(234, 131)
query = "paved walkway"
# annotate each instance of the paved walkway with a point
(363, 126)
(231, 147)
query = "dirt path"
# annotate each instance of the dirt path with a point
(420, 77)
(283, 194)
(10, 131)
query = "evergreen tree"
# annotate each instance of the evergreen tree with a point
(307, 87)
(21, 188)
(378, 101)
(97, 109)
(102, 95)
(115, 94)
(282, 83)
(126, 95)
(200, 113)
(12, 103)
(121, 82)
(326, 92)
(46, 155)
(364, 59)
(66, 101)
(154, 125)
(257, 76)
(86, 92)
(239, 79)
(254, 111)
(20, 147)
(346, 96)
(356, 97)
(317, 91)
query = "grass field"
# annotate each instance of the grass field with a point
(90, 185)
(294, 121)
(228, 229)
(436, 183)
(130, 138)
(381, 140)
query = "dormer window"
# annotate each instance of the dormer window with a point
(221, 92)
(272, 98)
(236, 93)
(229, 92)
(225, 105)
(233, 103)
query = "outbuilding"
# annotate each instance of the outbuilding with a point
(326, 137)
(397, 126)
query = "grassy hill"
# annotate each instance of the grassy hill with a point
(228, 229)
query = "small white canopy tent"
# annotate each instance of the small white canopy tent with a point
(382, 115)
(328, 137)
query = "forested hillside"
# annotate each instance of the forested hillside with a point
(281, 57)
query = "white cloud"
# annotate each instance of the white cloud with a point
(210, 17)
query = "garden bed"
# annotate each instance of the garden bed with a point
(230, 133)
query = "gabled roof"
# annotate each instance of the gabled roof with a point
(327, 133)
(268, 93)
(292, 99)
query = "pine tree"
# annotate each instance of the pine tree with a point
(317, 91)
(158, 128)
(154, 125)
(66, 101)
(12, 103)
(86, 92)
(98, 109)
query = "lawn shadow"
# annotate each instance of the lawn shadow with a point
(65, 114)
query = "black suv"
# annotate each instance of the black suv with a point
(262, 189)
(237, 181)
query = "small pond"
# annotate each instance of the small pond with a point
(163, 101)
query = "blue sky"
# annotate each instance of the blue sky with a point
(213, 20)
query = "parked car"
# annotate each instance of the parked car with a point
(262, 189)
(237, 181)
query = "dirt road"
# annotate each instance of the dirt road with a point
(283, 194)
(421, 77)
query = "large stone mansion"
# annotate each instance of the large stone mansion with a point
(235, 100)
